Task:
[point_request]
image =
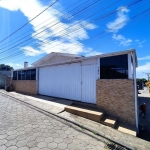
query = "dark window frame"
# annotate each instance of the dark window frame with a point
(28, 74)
(15, 75)
(114, 67)
(33, 74)
(25, 74)
(19, 75)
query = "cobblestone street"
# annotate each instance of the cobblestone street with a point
(23, 128)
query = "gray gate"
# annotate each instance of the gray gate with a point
(2, 81)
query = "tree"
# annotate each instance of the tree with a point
(141, 80)
(4, 67)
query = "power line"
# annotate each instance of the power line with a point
(39, 24)
(39, 33)
(99, 18)
(92, 38)
(44, 30)
(28, 22)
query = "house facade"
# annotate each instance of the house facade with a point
(5, 79)
(107, 80)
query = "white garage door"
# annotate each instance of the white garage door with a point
(89, 77)
(62, 81)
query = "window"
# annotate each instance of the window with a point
(19, 75)
(115, 67)
(28, 75)
(33, 74)
(15, 75)
(25, 75)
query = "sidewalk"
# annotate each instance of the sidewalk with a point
(118, 136)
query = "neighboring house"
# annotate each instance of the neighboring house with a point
(140, 85)
(107, 80)
(4, 79)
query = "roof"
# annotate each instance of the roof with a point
(80, 58)
(7, 73)
(51, 55)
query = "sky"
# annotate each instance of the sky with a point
(87, 27)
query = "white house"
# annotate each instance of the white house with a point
(107, 80)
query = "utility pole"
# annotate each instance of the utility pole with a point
(148, 75)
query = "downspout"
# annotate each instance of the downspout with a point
(135, 93)
(37, 80)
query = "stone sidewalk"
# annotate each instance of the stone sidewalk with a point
(23, 128)
(104, 130)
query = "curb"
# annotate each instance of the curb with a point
(63, 118)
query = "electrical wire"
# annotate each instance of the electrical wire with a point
(131, 19)
(104, 16)
(28, 22)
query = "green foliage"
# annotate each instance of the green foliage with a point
(141, 80)
(4, 67)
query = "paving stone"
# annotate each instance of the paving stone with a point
(21, 143)
(3, 147)
(12, 132)
(32, 144)
(49, 139)
(58, 140)
(11, 137)
(34, 148)
(11, 143)
(68, 140)
(40, 139)
(2, 142)
(21, 137)
(62, 145)
(30, 138)
(72, 146)
(23, 148)
(12, 148)
(28, 129)
(44, 130)
(55, 135)
(52, 145)
(3, 136)
(45, 148)
(42, 144)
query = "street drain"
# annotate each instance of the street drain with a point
(114, 146)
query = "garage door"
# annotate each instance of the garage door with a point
(89, 77)
(62, 81)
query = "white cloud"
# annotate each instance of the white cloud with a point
(120, 21)
(29, 51)
(144, 58)
(92, 53)
(141, 70)
(14, 65)
(67, 35)
(117, 24)
(122, 40)
(140, 43)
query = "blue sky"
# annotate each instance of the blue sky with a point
(86, 27)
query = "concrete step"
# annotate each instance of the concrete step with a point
(125, 128)
(109, 121)
(89, 114)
